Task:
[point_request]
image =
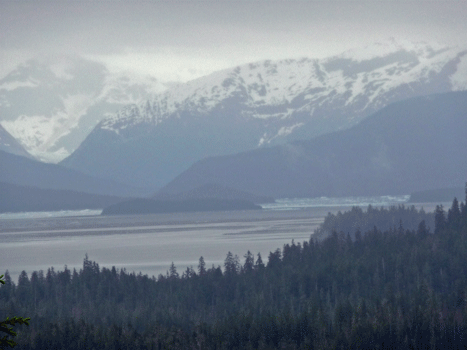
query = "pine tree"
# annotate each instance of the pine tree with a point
(249, 261)
(201, 266)
(440, 219)
(173, 274)
(231, 263)
(422, 230)
(454, 213)
(6, 327)
(464, 211)
(259, 262)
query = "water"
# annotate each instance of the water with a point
(280, 204)
(50, 214)
(150, 243)
(301, 203)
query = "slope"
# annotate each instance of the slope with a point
(14, 198)
(408, 146)
(26, 172)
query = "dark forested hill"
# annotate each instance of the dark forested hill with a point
(357, 220)
(408, 146)
(14, 198)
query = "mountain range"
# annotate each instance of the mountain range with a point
(50, 105)
(261, 105)
(408, 146)
(345, 125)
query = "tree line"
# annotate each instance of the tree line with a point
(393, 288)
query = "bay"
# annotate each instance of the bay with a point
(150, 243)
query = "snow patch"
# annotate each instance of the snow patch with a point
(282, 132)
(39, 133)
(30, 130)
(459, 78)
(296, 85)
(50, 157)
(287, 130)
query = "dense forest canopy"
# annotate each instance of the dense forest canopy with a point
(356, 220)
(393, 288)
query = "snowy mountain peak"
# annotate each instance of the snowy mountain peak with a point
(67, 96)
(355, 78)
(261, 104)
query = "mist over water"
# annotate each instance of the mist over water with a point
(150, 243)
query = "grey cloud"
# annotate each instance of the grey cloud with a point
(222, 28)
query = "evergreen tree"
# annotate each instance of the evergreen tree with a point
(422, 230)
(454, 213)
(6, 327)
(201, 266)
(173, 274)
(249, 262)
(440, 219)
(259, 262)
(231, 264)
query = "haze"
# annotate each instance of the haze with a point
(182, 40)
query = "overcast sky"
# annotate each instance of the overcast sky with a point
(181, 40)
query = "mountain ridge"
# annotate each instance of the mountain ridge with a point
(258, 105)
(398, 150)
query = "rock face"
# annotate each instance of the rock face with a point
(409, 146)
(51, 105)
(261, 104)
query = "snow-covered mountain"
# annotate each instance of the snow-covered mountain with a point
(51, 105)
(260, 104)
(9, 144)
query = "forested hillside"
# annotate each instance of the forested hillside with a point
(356, 220)
(388, 289)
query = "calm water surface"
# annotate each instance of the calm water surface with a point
(150, 243)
